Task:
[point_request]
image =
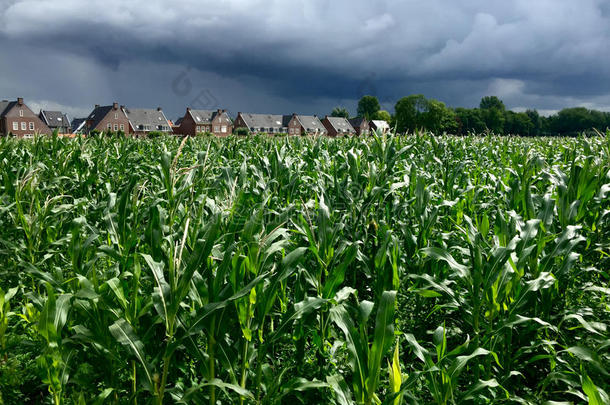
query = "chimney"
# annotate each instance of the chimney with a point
(188, 109)
(158, 108)
(20, 101)
(97, 106)
(219, 111)
(115, 106)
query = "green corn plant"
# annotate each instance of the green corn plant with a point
(365, 355)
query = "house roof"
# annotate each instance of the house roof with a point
(340, 124)
(98, 114)
(146, 119)
(55, 119)
(78, 123)
(6, 106)
(203, 116)
(380, 124)
(311, 123)
(266, 120)
(357, 122)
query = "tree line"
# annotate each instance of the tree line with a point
(418, 112)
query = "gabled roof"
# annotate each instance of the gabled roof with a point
(311, 123)
(266, 120)
(78, 124)
(340, 124)
(6, 106)
(381, 124)
(206, 116)
(55, 119)
(202, 116)
(98, 114)
(357, 122)
(146, 119)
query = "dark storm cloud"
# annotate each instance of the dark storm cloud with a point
(306, 56)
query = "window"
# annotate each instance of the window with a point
(116, 116)
(23, 126)
(252, 129)
(109, 127)
(216, 128)
(223, 129)
(21, 113)
(122, 127)
(291, 131)
(116, 127)
(15, 126)
(31, 126)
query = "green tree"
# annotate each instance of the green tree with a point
(492, 110)
(368, 106)
(469, 120)
(340, 112)
(536, 122)
(518, 123)
(383, 115)
(408, 112)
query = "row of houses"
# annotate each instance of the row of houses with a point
(18, 119)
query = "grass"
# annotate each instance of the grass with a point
(394, 270)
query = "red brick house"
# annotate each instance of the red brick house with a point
(109, 118)
(305, 125)
(361, 125)
(266, 123)
(16, 118)
(338, 126)
(144, 121)
(197, 121)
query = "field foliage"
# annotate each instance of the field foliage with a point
(395, 270)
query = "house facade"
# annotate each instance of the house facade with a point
(144, 121)
(338, 126)
(361, 125)
(197, 121)
(18, 119)
(109, 118)
(56, 121)
(305, 125)
(267, 123)
(380, 126)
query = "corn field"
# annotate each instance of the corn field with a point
(388, 270)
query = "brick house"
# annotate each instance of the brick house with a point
(197, 121)
(338, 126)
(144, 121)
(56, 120)
(305, 125)
(107, 118)
(18, 119)
(267, 123)
(361, 125)
(380, 126)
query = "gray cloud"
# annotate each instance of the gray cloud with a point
(305, 55)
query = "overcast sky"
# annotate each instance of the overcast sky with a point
(303, 56)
